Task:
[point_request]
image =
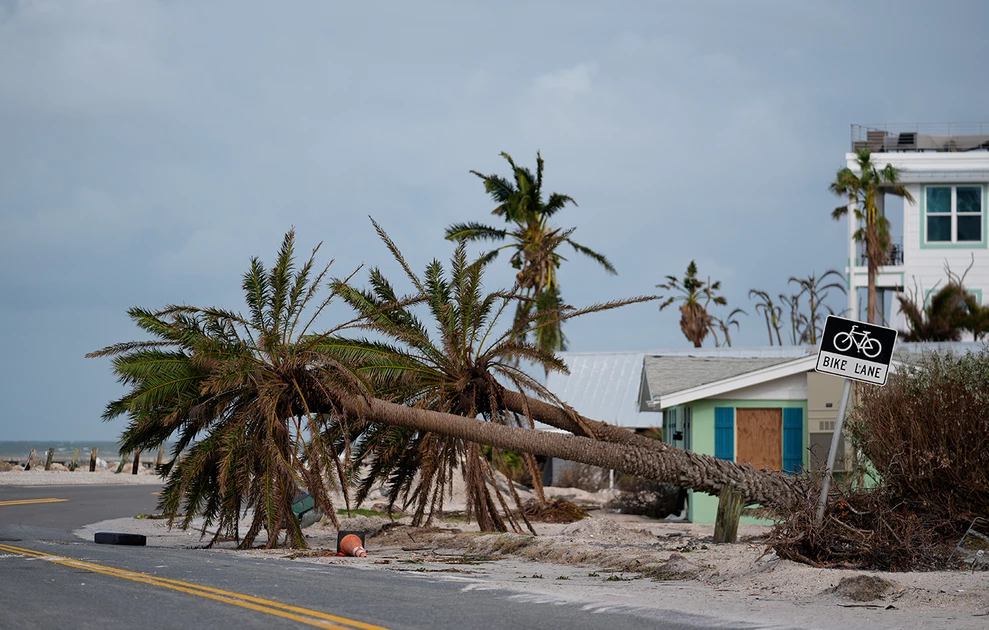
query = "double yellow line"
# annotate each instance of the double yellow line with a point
(295, 613)
(30, 501)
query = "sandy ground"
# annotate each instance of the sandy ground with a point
(612, 560)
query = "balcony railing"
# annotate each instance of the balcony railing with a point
(914, 137)
(894, 255)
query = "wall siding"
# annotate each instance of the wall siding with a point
(924, 268)
(702, 507)
(793, 387)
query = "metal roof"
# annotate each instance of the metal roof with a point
(604, 386)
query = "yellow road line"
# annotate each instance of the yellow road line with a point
(29, 501)
(296, 613)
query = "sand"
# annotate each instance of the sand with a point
(611, 560)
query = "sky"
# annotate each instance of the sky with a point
(151, 148)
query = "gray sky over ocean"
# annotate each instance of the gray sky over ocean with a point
(149, 149)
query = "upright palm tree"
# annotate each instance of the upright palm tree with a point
(772, 312)
(863, 190)
(816, 289)
(457, 371)
(725, 324)
(695, 297)
(535, 243)
(240, 393)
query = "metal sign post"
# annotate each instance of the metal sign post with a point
(835, 437)
(854, 351)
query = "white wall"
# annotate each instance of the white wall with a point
(793, 387)
(924, 268)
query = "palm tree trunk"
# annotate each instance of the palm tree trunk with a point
(871, 304)
(661, 462)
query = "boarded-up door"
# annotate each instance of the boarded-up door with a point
(759, 435)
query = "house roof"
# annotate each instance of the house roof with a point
(603, 386)
(680, 380)
(666, 374)
(758, 371)
(606, 385)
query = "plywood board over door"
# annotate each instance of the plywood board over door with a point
(759, 437)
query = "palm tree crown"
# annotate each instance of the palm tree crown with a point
(241, 393)
(534, 240)
(695, 296)
(461, 370)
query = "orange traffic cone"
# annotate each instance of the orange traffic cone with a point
(350, 545)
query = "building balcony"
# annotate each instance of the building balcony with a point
(921, 137)
(894, 256)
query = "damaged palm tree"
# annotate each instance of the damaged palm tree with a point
(695, 297)
(237, 394)
(254, 402)
(451, 362)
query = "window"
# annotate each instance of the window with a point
(954, 214)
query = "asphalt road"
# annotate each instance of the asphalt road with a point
(52, 579)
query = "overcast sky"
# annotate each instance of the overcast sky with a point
(149, 149)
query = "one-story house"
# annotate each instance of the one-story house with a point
(765, 406)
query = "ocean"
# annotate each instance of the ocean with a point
(19, 450)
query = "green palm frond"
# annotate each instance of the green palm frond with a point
(243, 397)
(535, 243)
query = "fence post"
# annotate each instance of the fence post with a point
(92, 459)
(48, 460)
(137, 462)
(729, 512)
(75, 460)
(30, 459)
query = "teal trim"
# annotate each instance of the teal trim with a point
(724, 433)
(946, 245)
(793, 440)
(976, 292)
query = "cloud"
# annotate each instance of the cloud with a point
(566, 84)
(86, 57)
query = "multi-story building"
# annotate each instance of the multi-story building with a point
(945, 167)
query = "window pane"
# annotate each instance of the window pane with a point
(938, 200)
(969, 199)
(969, 228)
(939, 229)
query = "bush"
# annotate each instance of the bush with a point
(926, 433)
(926, 436)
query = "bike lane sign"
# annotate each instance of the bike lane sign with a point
(856, 350)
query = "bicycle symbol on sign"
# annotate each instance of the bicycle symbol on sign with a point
(863, 343)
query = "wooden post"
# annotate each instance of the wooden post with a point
(92, 459)
(137, 463)
(123, 460)
(48, 460)
(729, 512)
(30, 459)
(75, 460)
(161, 457)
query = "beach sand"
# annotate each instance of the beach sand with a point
(613, 560)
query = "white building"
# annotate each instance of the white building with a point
(945, 167)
